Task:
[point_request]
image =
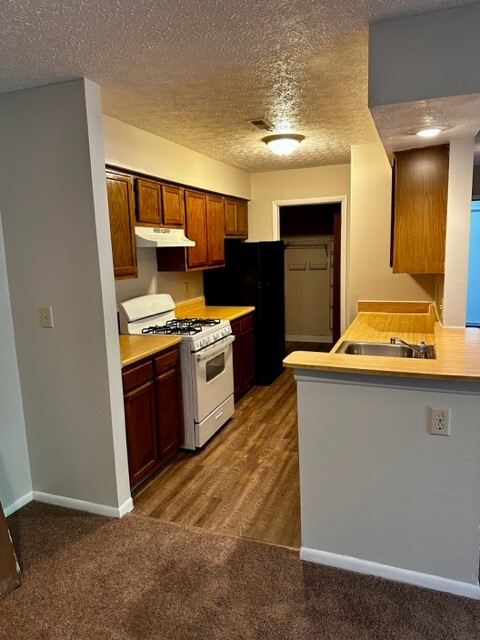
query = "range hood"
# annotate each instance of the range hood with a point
(160, 237)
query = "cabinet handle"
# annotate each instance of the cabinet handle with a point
(219, 414)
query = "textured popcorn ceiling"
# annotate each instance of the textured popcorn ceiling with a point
(195, 71)
(460, 113)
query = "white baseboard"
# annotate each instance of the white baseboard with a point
(391, 573)
(322, 339)
(18, 504)
(82, 505)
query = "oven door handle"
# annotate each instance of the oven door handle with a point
(214, 349)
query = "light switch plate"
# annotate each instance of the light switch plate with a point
(46, 316)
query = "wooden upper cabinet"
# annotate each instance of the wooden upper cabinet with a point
(230, 217)
(215, 229)
(121, 209)
(236, 218)
(159, 204)
(196, 228)
(173, 206)
(205, 225)
(242, 219)
(149, 201)
(420, 210)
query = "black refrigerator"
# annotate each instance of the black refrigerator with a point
(254, 276)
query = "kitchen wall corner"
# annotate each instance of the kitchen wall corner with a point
(369, 274)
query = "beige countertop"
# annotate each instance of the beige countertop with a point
(136, 347)
(197, 308)
(458, 350)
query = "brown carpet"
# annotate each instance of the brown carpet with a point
(89, 577)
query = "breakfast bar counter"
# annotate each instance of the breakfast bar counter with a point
(382, 491)
(457, 350)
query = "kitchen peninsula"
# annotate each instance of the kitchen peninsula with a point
(379, 493)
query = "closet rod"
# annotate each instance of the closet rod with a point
(298, 245)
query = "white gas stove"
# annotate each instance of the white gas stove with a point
(206, 361)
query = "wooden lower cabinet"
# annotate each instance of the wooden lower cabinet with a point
(243, 354)
(141, 431)
(168, 400)
(153, 412)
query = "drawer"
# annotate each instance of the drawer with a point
(166, 361)
(137, 375)
(246, 322)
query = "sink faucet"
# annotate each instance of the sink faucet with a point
(420, 348)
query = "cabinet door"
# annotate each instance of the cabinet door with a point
(248, 364)
(173, 205)
(196, 227)
(122, 225)
(215, 230)
(420, 209)
(230, 217)
(238, 378)
(149, 201)
(169, 412)
(141, 431)
(242, 219)
(243, 354)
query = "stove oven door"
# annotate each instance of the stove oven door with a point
(213, 377)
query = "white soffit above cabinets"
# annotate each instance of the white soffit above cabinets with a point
(196, 71)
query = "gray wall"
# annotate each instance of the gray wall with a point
(377, 487)
(57, 247)
(15, 480)
(428, 56)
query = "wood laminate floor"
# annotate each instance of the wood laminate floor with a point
(245, 481)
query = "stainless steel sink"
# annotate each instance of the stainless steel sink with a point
(385, 349)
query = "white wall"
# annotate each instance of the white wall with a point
(370, 275)
(180, 285)
(460, 177)
(425, 56)
(57, 247)
(131, 148)
(307, 287)
(376, 487)
(15, 478)
(294, 184)
(367, 184)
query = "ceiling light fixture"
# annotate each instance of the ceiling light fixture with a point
(283, 143)
(430, 131)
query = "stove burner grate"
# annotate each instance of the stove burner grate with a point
(182, 326)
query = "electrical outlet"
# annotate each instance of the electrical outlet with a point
(187, 288)
(46, 317)
(439, 421)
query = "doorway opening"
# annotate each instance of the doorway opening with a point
(312, 236)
